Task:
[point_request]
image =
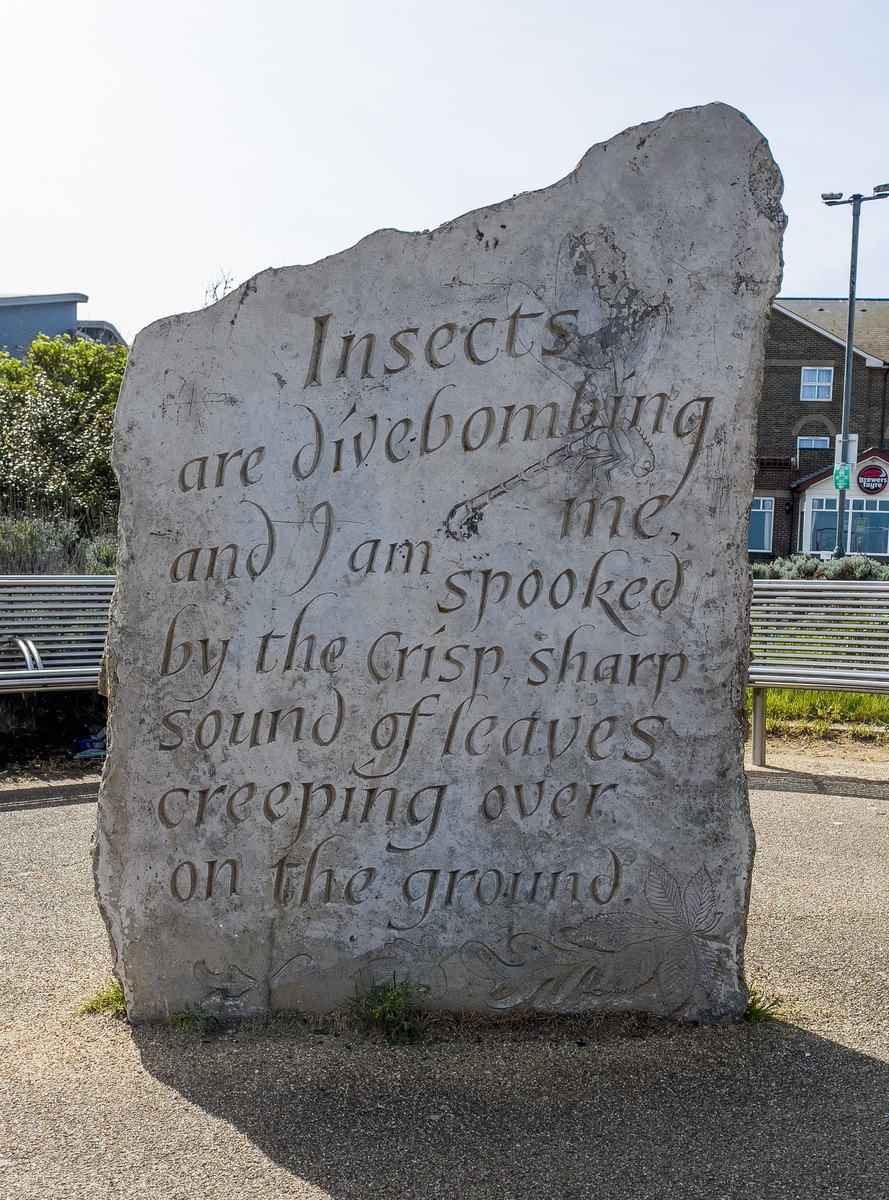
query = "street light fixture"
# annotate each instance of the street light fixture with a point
(831, 199)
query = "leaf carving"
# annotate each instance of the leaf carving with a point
(425, 959)
(302, 960)
(677, 972)
(609, 931)
(707, 954)
(699, 902)
(231, 983)
(662, 893)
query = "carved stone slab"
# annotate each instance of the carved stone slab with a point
(428, 646)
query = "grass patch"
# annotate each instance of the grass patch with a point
(194, 1018)
(108, 999)
(390, 1008)
(800, 711)
(760, 1009)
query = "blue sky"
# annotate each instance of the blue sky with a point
(151, 147)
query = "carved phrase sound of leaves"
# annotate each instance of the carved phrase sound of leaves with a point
(611, 954)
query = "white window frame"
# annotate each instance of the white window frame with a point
(819, 504)
(855, 506)
(823, 440)
(817, 383)
(860, 507)
(763, 504)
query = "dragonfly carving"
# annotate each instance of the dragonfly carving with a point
(617, 338)
(602, 449)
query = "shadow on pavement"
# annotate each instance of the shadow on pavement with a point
(772, 779)
(50, 795)
(763, 1112)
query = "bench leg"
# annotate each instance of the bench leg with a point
(759, 726)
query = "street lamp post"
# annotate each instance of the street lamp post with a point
(842, 477)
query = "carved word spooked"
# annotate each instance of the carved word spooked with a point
(622, 601)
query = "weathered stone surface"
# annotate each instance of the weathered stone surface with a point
(427, 654)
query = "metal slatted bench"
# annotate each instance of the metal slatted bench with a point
(52, 631)
(827, 635)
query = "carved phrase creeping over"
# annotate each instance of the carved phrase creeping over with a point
(427, 652)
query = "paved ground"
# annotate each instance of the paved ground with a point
(793, 1108)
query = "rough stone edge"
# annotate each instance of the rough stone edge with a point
(101, 855)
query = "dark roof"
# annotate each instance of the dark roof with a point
(101, 331)
(7, 300)
(806, 481)
(871, 335)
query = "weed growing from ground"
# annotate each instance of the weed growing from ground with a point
(108, 999)
(194, 1018)
(389, 1007)
(760, 1009)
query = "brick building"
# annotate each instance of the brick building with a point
(799, 419)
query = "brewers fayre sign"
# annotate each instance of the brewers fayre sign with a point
(872, 478)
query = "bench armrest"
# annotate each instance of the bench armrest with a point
(29, 652)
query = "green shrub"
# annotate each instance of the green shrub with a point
(853, 566)
(56, 415)
(807, 566)
(38, 543)
(40, 546)
(759, 1008)
(194, 1018)
(100, 556)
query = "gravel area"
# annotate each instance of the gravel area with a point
(610, 1109)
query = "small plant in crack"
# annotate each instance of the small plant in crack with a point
(760, 1009)
(195, 1018)
(390, 1007)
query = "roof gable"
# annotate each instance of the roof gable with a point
(802, 485)
(829, 317)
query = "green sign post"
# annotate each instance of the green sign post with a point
(842, 476)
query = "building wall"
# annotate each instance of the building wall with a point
(783, 417)
(21, 323)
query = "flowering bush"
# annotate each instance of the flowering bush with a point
(807, 566)
(56, 414)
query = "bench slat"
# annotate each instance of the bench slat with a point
(824, 635)
(66, 617)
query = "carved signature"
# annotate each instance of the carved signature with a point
(232, 983)
(612, 953)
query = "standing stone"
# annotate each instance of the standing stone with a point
(427, 654)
